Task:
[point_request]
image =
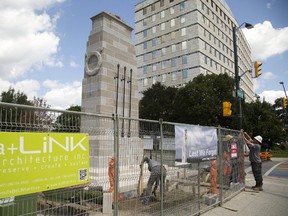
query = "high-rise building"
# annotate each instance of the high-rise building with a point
(176, 40)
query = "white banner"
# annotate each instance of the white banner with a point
(194, 142)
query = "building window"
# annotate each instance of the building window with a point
(154, 67)
(145, 82)
(163, 64)
(145, 69)
(154, 41)
(154, 54)
(163, 26)
(172, 22)
(182, 5)
(154, 80)
(174, 75)
(145, 33)
(162, 14)
(173, 48)
(183, 31)
(163, 77)
(144, 22)
(184, 59)
(171, 1)
(184, 73)
(163, 39)
(145, 57)
(145, 45)
(184, 45)
(182, 19)
(161, 3)
(144, 10)
(163, 51)
(152, 7)
(154, 29)
(173, 35)
(173, 62)
(172, 10)
(154, 18)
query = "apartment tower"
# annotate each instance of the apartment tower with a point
(176, 40)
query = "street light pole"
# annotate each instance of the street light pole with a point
(237, 81)
(282, 83)
(237, 77)
(285, 120)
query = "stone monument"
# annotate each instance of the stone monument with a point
(110, 87)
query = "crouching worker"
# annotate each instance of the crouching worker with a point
(155, 177)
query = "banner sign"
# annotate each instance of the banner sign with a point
(194, 142)
(35, 162)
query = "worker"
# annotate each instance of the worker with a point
(155, 177)
(255, 160)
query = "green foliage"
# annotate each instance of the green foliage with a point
(157, 102)
(260, 118)
(68, 122)
(24, 119)
(11, 96)
(200, 101)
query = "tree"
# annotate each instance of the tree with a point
(200, 101)
(43, 117)
(261, 118)
(25, 118)
(68, 122)
(13, 118)
(157, 102)
(11, 96)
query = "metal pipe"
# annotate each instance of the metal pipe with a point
(130, 102)
(117, 87)
(237, 80)
(162, 180)
(116, 162)
(237, 77)
(123, 113)
(282, 83)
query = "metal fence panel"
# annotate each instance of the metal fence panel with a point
(125, 141)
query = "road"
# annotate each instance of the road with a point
(266, 165)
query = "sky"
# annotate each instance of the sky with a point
(43, 44)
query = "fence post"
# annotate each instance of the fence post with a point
(162, 180)
(220, 172)
(116, 163)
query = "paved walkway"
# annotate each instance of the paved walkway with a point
(272, 201)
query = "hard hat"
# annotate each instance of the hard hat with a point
(258, 138)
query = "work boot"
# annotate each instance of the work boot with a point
(254, 186)
(258, 188)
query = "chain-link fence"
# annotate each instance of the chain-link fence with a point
(117, 183)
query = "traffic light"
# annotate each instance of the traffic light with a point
(284, 101)
(257, 68)
(227, 108)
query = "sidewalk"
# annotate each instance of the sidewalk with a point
(272, 201)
